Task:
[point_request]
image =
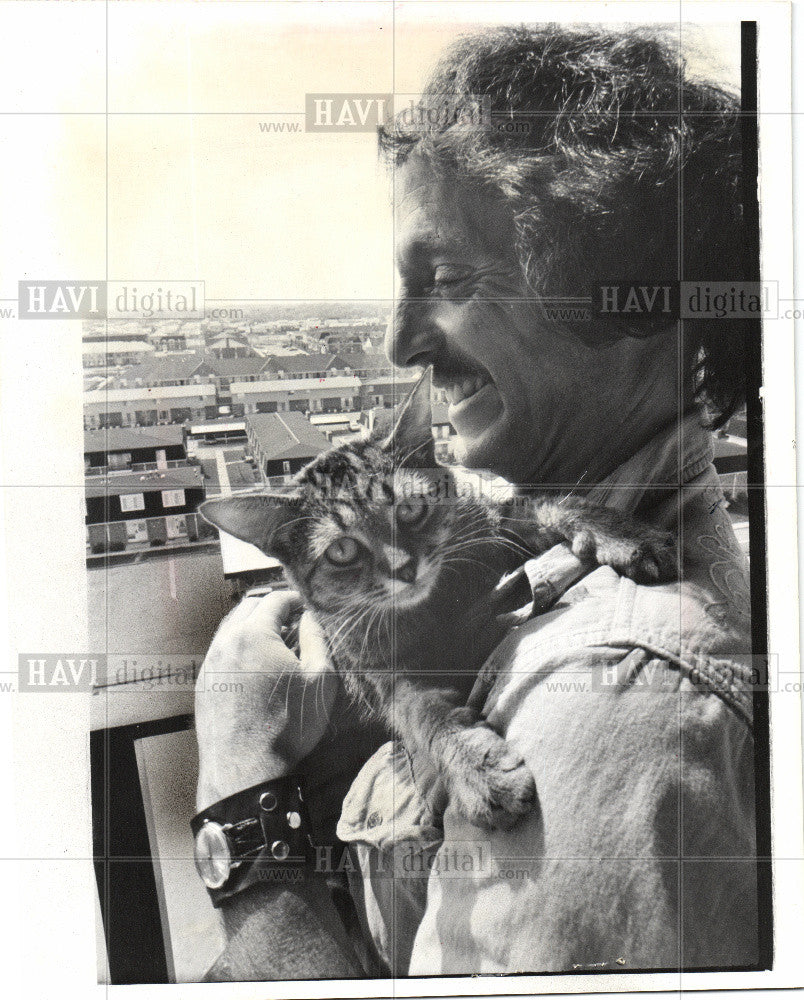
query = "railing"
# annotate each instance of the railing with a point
(177, 463)
(102, 470)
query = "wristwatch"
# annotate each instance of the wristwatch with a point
(258, 835)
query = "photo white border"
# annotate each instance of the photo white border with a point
(51, 920)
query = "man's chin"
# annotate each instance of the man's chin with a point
(490, 450)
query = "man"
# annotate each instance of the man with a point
(630, 704)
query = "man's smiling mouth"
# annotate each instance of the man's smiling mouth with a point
(462, 389)
(474, 401)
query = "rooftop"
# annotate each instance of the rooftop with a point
(360, 360)
(241, 557)
(116, 347)
(129, 438)
(164, 368)
(155, 394)
(331, 382)
(180, 367)
(218, 424)
(115, 483)
(201, 366)
(227, 338)
(321, 419)
(233, 367)
(301, 363)
(286, 435)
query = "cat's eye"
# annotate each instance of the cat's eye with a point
(411, 511)
(343, 552)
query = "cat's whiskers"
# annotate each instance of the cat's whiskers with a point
(514, 546)
(350, 624)
(301, 710)
(375, 613)
(403, 459)
(319, 690)
(469, 543)
(577, 484)
(277, 682)
(463, 538)
(345, 628)
(464, 559)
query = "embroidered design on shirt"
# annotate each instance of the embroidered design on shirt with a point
(727, 574)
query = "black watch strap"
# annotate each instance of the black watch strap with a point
(267, 832)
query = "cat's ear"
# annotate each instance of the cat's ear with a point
(259, 518)
(412, 435)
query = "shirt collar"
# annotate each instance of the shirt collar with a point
(674, 457)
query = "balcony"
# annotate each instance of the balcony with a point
(148, 533)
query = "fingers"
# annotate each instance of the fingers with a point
(252, 629)
(313, 649)
(271, 613)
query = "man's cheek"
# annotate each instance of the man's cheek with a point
(486, 332)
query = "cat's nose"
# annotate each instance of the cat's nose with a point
(401, 565)
(406, 572)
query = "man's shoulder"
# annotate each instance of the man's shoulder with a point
(607, 620)
(606, 608)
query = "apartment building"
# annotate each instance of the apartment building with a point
(118, 448)
(146, 406)
(282, 443)
(334, 394)
(135, 509)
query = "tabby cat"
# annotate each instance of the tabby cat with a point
(393, 563)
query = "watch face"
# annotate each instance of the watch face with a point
(213, 858)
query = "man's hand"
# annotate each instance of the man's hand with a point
(259, 709)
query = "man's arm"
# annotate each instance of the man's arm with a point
(284, 932)
(261, 714)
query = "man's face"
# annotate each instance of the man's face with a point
(463, 306)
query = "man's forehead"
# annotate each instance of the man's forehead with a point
(427, 222)
(433, 214)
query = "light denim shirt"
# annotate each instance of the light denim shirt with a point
(632, 706)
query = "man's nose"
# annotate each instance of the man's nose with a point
(411, 333)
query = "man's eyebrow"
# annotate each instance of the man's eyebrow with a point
(427, 245)
(422, 246)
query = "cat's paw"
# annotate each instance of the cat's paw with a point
(642, 553)
(489, 783)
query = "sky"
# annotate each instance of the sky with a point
(191, 187)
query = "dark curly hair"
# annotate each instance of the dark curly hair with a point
(615, 165)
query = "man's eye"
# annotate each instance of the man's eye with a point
(444, 276)
(411, 512)
(343, 552)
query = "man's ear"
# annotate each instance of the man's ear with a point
(412, 436)
(258, 518)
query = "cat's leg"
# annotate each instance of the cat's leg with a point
(597, 533)
(485, 779)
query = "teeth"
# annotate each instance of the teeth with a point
(458, 391)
